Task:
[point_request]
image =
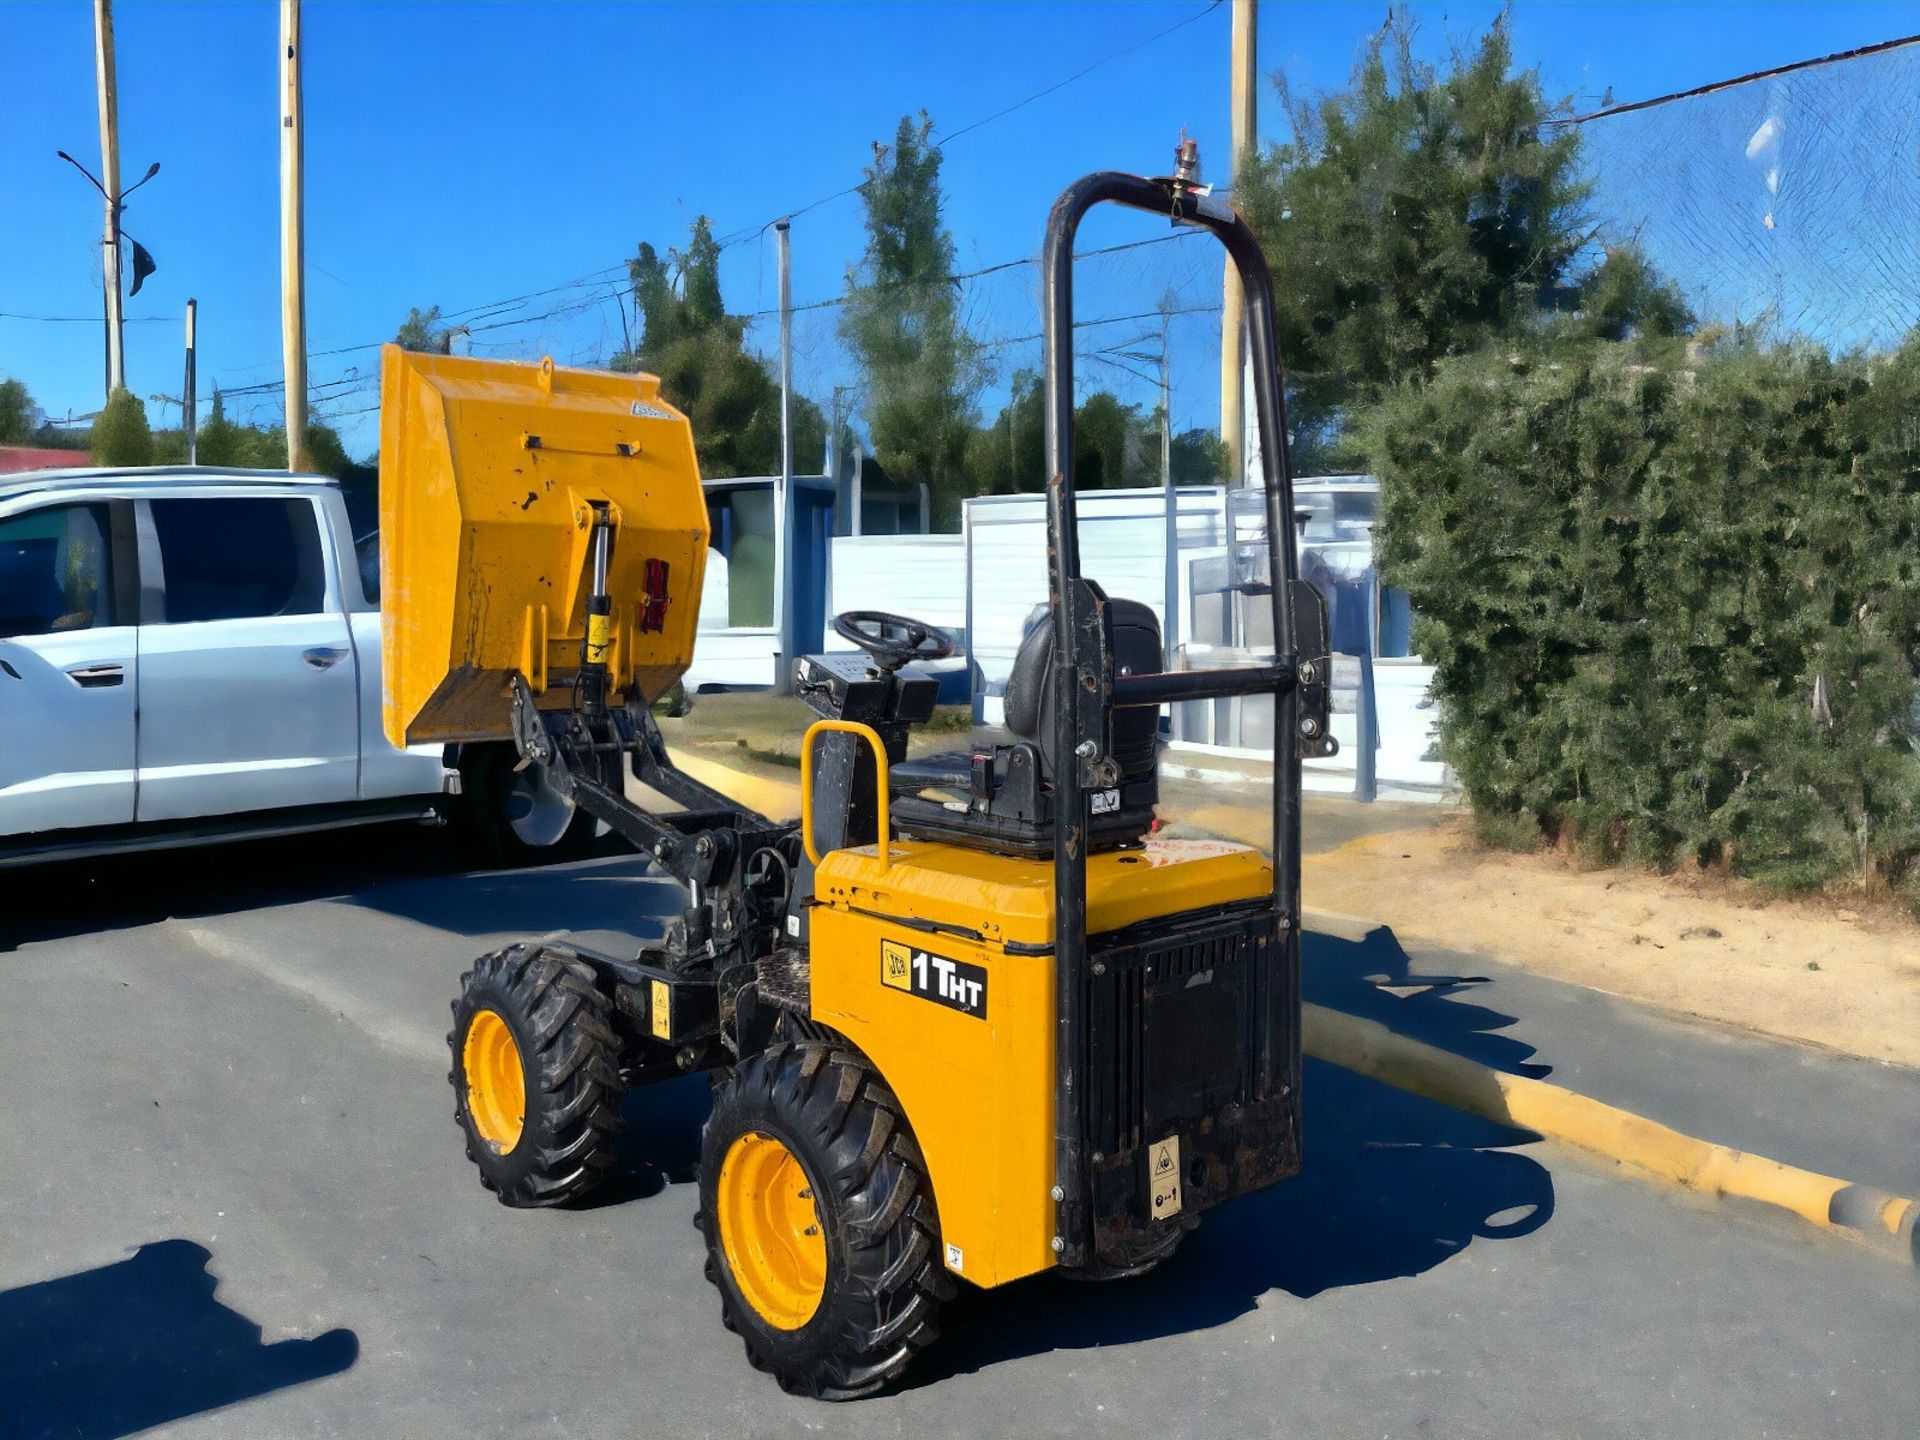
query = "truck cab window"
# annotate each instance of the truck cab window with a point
(238, 557)
(54, 574)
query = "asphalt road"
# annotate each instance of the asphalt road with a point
(236, 1205)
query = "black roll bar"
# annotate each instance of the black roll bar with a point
(1086, 692)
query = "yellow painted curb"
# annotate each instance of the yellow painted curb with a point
(1886, 1222)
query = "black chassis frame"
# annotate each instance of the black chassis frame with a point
(1261, 1124)
(737, 867)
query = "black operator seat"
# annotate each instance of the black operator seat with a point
(1000, 797)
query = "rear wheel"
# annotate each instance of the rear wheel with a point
(516, 816)
(536, 1075)
(821, 1232)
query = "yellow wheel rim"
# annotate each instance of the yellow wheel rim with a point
(496, 1083)
(770, 1231)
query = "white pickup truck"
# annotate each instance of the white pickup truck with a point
(191, 655)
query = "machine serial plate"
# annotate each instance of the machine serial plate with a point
(953, 983)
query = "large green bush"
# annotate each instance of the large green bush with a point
(1674, 603)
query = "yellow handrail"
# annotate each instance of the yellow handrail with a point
(849, 727)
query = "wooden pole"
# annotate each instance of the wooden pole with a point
(110, 183)
(1233, 302)
(293, 239)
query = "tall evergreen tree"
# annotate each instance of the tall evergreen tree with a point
(920, 368)
(699, 352)
(1412, 216)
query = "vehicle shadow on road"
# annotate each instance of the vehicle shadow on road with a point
(116, 1350)
(404, 870)
(1390, 1186)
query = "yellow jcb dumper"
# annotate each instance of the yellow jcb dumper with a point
(968, 1019)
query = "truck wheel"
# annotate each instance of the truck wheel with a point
(516, 817)
(821, 1232)
(536, 1075)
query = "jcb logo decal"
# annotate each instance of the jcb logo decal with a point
(953, 983)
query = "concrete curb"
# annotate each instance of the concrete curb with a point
(1885, 1222)
(1890, 1224)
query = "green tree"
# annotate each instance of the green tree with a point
(19, 416)
(699, 353)
(121, 435)
(921, 370)
(1010, 455)
(1113, 444)
(219, 441)
(1624, 297)
(1410, 217)
(1199, 457)
(426, 332)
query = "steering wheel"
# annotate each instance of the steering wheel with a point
(892, 640)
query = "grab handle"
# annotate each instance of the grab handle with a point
(845, 727)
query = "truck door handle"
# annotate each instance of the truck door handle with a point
(323, 657)
(95, 677)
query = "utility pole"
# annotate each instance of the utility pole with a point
(1171, 514)
(110, 188)
(293, 239)
(1233, 300)
(783, 511)
(189, 406)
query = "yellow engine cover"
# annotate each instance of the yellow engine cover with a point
(939, 966)
(489, 472)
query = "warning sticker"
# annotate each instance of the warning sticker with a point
(661, 1007)
(953, 983)
(1163, 1176)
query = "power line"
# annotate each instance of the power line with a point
(747, 233)
(954, 279)
(85, 319)
(1716, 85)
(954, 135)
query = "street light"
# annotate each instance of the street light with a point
(143, 262)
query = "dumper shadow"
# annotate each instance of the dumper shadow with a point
(1391, 1185)
(131, 1345)
(1373, 977)
(607, 903)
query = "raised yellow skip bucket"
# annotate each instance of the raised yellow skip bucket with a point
(490, 473)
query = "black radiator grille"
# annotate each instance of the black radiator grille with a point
(1162, 1049)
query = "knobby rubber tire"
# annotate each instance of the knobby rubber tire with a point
(885, 1280)
(561, 1024)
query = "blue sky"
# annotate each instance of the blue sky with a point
(460, 154)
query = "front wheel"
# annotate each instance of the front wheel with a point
(821, 1232)
(536, 1075)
